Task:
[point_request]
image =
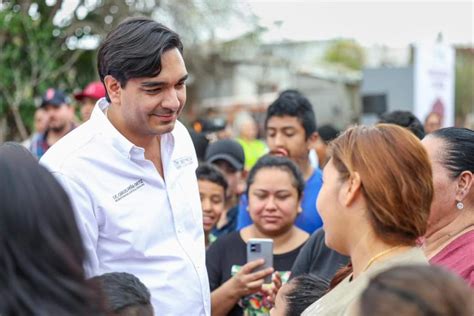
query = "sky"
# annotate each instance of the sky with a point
(391, 23)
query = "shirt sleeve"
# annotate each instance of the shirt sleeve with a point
(86, 220)
(243, 218)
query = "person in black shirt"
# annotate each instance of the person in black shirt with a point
(274, 188)
(318, 259)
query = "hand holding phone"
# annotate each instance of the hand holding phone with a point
(248, 281)
(261, 248)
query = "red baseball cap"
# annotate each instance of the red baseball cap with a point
(94, 90)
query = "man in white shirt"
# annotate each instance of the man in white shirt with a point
(129, 171)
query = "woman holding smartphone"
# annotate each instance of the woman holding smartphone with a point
(274, 188)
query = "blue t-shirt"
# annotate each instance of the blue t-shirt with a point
(309, 219)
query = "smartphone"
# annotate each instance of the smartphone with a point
(261, 248)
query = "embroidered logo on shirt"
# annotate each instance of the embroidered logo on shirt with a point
(128, 190)
(183, 162)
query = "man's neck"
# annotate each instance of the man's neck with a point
(306, 169)
(151, 144)
(223, 219)
(153, 153)
(54, 135)
(207, 238)
(148, 143)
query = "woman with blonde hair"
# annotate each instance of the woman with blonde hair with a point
(375, 202)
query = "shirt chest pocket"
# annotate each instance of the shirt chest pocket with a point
(184, 199)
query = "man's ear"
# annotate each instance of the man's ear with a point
(465, 182)
(352, 189)
(113, 89)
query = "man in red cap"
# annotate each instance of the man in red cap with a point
(88, 97)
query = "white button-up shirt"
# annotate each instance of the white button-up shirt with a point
(131, 219)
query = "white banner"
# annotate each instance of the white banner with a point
(434, 82)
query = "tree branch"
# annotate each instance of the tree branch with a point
(54, 10)
(33, 51)
(54, 74)
(15, 106)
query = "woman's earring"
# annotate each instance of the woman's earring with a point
(460, 205)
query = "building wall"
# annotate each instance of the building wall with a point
(332, 101)
(219, 82)
(395, 83)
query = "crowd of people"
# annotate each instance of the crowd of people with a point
(130, 213)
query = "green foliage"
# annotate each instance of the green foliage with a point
(40, 47)
(24, 55)
(346, 53)
(34, 57)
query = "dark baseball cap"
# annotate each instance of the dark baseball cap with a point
(228, 150)
(328, 132)
(54, 97)
(209, 125)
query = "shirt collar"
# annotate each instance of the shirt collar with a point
(112, 135)
(118, 141)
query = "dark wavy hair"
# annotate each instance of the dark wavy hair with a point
(405, 119)
(282, 163)
(207, 171)
(293, 103)
(417, 290)
(124, 293)
(306, 290)
(134, 49)
(41, 251)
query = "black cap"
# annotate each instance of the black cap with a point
(200, 144)
(209, 125)
(53, 97)
(228, 150)
(328, 132)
